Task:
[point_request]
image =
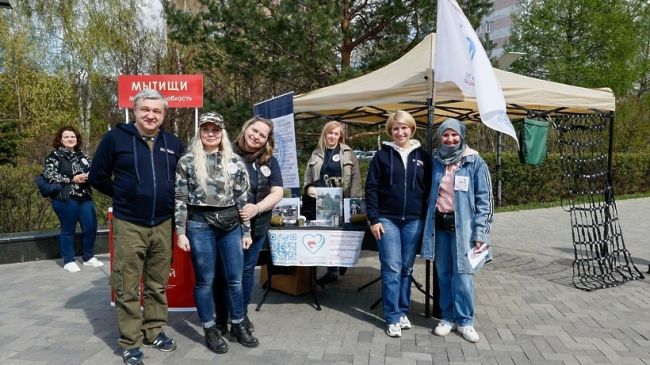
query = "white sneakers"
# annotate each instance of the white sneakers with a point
(394, 330)
(71, 267)
(93, 262)
(469, 333)
(444, 328)
(404, 323)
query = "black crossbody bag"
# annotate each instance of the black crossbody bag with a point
(224, 219)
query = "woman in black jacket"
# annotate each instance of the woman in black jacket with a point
(68, 165)
(397, 188)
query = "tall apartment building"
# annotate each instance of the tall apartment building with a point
(498, 24)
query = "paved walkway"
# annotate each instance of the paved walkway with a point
(527, 312)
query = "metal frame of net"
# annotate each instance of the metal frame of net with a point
(601, 258)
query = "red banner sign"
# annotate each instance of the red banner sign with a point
(181, 91)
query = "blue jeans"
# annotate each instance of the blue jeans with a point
(250, 261)
(206, 245)
(397, 248)
(248, 280)
(70, 212)
(456, 290)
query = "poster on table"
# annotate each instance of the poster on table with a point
(280, 111)
(328, 207)
(315, 247)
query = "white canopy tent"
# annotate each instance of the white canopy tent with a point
(407, 84)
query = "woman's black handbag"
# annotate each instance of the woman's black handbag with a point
(46, 188)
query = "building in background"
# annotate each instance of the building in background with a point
(498, 24)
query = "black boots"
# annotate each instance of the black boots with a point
(243, 335)
(248, 324)
(214, 341)
(223, 328)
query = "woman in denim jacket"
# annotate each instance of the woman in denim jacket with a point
(458, 221)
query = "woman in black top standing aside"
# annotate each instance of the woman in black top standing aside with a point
(68, 165)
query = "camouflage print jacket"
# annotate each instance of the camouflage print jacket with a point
(222, 192)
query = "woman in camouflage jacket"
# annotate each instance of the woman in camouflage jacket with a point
(211, 186)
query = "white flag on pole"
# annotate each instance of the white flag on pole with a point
(461, 59)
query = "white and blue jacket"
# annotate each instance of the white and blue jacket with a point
(473, 210)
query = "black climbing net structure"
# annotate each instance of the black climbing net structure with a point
(601, 258)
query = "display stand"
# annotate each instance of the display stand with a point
(311, 246)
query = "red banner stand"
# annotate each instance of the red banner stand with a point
(180, 288)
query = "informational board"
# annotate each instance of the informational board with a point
(315, 247)
(280, 111)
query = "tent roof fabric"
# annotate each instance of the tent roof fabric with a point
(407, 84)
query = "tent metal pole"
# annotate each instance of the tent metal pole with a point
(499, 168)
(429, 274)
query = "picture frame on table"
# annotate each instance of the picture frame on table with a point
(353, 208)
(288, 209)
(329, 207)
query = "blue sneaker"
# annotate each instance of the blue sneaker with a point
(162, 343)
(133, 356)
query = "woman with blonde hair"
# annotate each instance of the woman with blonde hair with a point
(397, 188)
(333, 164)
(211, 187)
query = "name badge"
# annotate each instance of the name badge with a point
(232, 168)
(461, 183)
(266, 171)
(336, 158)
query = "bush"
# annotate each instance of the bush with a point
(23, 209)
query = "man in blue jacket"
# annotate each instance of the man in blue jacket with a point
(135, 165)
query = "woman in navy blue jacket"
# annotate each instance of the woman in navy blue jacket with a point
(397, 187)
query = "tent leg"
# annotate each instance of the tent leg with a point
(499, 168)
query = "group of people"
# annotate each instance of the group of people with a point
(218, 197)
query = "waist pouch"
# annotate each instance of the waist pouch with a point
(223, 219)
(445, 221)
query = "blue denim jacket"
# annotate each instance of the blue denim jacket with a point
(473, 210)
